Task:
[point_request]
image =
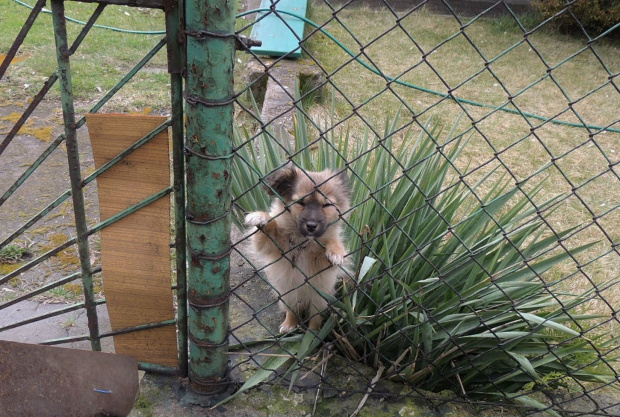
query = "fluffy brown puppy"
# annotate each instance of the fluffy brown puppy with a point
(300, 240)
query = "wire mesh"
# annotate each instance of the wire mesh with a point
(481, 239)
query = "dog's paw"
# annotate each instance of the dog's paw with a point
(287, 327)
(335, 258)
(257, 218)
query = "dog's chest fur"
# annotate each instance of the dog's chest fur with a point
(305, 254)
(300, 261)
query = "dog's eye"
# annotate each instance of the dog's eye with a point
(328, 205)
(301, 203)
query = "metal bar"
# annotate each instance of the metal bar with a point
(52, 146)
(65, 340)
(93, 18)
(87, 180)
(210, 98)
(50, 81)
(129, 210)
(174, 11)
(59, 200)
(105, 223)
(21, 36)
(51, 314)
(24, 117)
(37, 261)
(42, 289)
(73, 157)
(151, 4)
(146, 326)
(126, 78)
(128, 151)
(81, 122)
(126, 330)
(179, 217)
(159, 369)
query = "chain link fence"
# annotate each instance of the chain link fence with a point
(481, 238)
(426, 202)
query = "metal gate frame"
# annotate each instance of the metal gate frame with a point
(64, 51)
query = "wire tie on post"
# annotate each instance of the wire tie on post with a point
(190, 218)
(190, 152)
(200, 255)
(194, 100)
(211, 302)
(241, 42)
(209, 345)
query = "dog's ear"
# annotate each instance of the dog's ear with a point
(282, 182)
(343, 179)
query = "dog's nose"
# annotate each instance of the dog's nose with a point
(311, 226)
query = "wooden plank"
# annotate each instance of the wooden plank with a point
(280, 38)
(135, 252)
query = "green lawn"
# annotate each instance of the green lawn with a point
(103, 58)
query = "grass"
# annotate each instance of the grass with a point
(99, 63)
(12, 254)
(143, 405)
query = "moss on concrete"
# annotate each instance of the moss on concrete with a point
(143, 407)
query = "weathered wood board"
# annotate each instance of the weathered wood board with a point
(51, 381)
(135, 251)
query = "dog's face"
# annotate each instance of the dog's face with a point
(315, 200)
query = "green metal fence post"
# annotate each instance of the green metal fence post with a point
(209, 110)
(174, 12)
(73, 156)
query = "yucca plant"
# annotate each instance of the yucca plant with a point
(447, 290)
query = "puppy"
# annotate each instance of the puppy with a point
(300, 240)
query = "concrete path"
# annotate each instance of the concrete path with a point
(69, 324)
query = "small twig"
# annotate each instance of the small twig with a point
(346, 344)
(325, 359)
(280, 355)
(320, 388)
(397, 362)
(421, 372)
(377, 362)
(458, 378)
(370, 388)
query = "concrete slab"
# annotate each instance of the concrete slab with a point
(275, 89)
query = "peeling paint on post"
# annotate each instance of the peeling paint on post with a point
(209, 96)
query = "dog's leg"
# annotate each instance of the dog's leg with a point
(317, 306)
(259, 219)
(334, 252)
(268, 228)
(291, 321)
(315, 321)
